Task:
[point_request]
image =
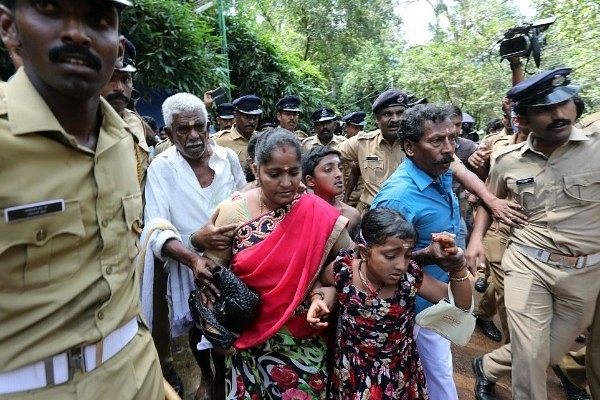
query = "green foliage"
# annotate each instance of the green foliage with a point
(176, 48)
(260, 66)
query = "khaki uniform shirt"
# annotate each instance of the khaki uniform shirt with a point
(559, 194)
(67, 277)
(313, 141)
(375, 157)
(301, 135)
(235, 141)
(142, 152)
(162, 146)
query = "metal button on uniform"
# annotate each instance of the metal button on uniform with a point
(41, 235)
(105, 223)
(100, 315)
(109, 270)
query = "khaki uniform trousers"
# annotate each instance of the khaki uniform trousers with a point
(492, 300)
(592, 358)
(133, 373)
(547, 307)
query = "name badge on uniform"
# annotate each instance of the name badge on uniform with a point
(372, 158)
(26, 211)
(525, 181)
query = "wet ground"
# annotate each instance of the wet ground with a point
(462, 356)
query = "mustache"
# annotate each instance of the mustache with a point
(444, 160)
(58, 54)
(117, 96)
(559, 123)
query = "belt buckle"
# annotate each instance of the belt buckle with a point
(581, 262)
(76, 361)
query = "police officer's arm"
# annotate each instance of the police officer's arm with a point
(503, 210)
(352, 181)
(475, 253)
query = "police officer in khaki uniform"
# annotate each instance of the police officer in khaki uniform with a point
(551, 265)
(324, 121)
(71, 206)
(354, 123)
(245, 120)
(118, 93)
(378, 153)
(225, 116)
(288, 113)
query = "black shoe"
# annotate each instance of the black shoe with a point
(572, 391)
(489, 329)
(481, 284)
(484, 388)
(174, 380)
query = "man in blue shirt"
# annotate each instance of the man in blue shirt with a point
(421, 189)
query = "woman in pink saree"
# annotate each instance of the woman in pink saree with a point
(282, 242)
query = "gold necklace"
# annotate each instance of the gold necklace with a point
(370, 291)
(261, 202)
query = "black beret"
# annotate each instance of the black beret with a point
(128, 58)
(322, 114)
(289, 103)
(390, 98)
(249, 104)
(225, 110)
(355, 118)
(544, 89)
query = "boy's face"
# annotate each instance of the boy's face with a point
(328, 179)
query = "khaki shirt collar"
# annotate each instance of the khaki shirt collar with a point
(22, 97)
(577, 135)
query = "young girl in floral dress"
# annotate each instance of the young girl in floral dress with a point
(376, 354)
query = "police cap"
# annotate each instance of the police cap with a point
(390, 98)
(322, 114)
(289, 103)
(225, 110)
(546, 88)
(248, 104)
(355, 118)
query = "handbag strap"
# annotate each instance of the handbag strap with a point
(451, 300)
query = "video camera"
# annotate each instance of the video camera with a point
(525, 40)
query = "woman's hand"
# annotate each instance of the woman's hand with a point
(317, 311)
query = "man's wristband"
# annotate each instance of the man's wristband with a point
(192, 246)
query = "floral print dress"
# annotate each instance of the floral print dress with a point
(376, 354)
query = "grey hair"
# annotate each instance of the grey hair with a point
(272, 140)
(180, 103)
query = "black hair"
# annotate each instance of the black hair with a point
(150, 121)
(412, 121)
(313, 157)
(252, 143)
(380, 223)
(272, 140)
(454, 111)
(494, 125)
(579, 105)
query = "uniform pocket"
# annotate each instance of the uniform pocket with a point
(132, 210)
(42, 250)
(373, 170)
(583, 187)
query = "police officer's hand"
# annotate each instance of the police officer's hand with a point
(509, 212)
(475, 254)
(479, 157)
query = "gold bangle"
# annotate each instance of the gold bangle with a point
(313, 293)
(464, 278)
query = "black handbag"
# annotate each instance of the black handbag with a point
(233, 311)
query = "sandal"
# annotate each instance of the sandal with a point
(206, 320)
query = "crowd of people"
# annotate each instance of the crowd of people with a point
(110, 224)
